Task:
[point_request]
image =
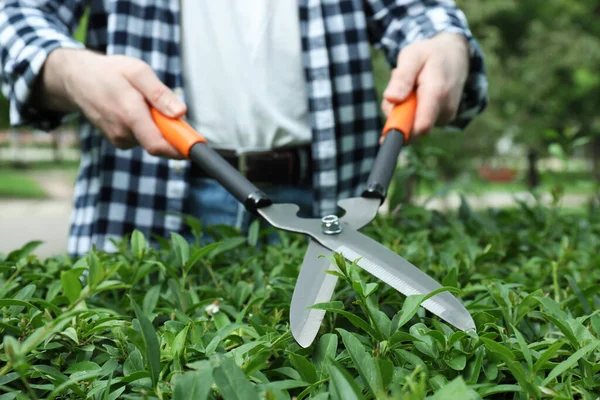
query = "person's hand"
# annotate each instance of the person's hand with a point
(437, 69)
(115, 93)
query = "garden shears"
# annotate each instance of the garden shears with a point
(330, 234)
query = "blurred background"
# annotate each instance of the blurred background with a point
(538, 140)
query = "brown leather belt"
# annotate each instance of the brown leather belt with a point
(292, 166)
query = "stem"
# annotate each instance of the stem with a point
(555, 281)
(29, 389)
(213, 277)
(13, 276)
(363, 301)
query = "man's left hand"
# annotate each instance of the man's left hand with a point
(437, 69)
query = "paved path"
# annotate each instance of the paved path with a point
(47, 220)
(22, 221)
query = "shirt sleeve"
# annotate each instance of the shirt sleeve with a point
(394, 24)
(29, 31)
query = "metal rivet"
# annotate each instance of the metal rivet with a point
(331, 225)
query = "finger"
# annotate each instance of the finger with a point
(387, 107)
(145, 130)
(142, 77)
(404, 76)
(122, 138)
(432, 93)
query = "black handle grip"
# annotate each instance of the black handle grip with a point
(218, 168)
(384, 165)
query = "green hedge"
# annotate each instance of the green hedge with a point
(146, 325)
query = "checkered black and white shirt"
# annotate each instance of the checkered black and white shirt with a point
(118, 191)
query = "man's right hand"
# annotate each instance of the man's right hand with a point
(114, 93)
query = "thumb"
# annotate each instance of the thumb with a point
(143, 78)
(402, 81)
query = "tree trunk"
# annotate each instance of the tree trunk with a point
(533, 175)
(56, 147)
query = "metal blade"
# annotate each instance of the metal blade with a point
(359, 211)
(313, 286)
(399, 274)
(376, 259)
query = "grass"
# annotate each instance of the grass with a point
(578, 183)
(16, 184)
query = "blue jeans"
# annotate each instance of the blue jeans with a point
(212, 204)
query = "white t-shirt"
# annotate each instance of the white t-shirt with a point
(243, 73)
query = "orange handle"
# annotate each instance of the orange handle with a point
(402, 117)
(177, 132)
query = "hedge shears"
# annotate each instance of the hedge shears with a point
(329, 234)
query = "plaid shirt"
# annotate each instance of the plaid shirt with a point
(117, 191)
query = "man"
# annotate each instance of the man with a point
(272, 80)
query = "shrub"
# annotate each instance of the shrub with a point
(191, 321)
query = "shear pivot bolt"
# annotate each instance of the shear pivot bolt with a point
(331, 225)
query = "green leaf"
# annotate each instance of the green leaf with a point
(179, 343)
(231, 380)
(13, 302)
(8, 378)
(24, 295)
(412, 304)
(366, 366)
(370, 288)
(151, 299)
(200, 253)
(354, 320)
(73, 380)
(324, 351)
(71, 284)
(253, 231)
(138, 244)
(499, 349)
(151, 342)
(341, 384)
(451, 278)
(83, 367)
(595, 321)
(386, 368)
(283, 385)
(106, 394)
(500, 389)
(134, 363)
(524, 348)
(194, 384)
(570, 362)
(457, 389)
(564, 328)
(304, 367)
(514, 367)
(474, 367)
(181, 247)
(547, 355)
(59, 379)
(96, 269)
(24, 251)
(458, 362)
(71, 333)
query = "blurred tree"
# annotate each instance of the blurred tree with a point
(544, 61)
